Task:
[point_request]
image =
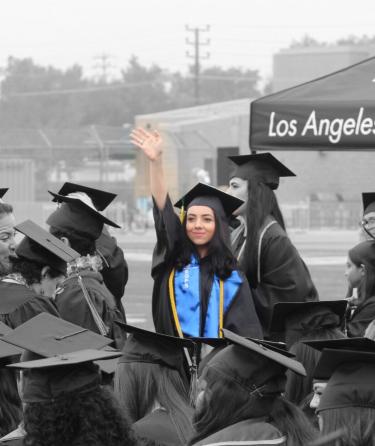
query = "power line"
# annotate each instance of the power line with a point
(197, 56)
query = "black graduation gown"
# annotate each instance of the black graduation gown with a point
(284, 276)
(253, 432)
(241, 316)
(18, 304)
(158, 428)
(360, 318)
(115, 269)
(73, 307)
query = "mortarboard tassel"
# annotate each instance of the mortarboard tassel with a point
(182, 213)
(193, 367)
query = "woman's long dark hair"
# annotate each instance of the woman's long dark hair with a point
(139, 385)
(225, 403)
(222, 261)
(298, 387)
(10, 403)
(261, 203)
(77, 419)
(358, 424)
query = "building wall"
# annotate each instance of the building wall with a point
(297, 65)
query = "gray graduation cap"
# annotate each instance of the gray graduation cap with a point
(47, 335)
(41, 247)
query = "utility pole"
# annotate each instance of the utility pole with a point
(197, 56)
(103, 66)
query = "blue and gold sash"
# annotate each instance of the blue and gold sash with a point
(186, 304)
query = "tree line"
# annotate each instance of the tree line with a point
(36, 96)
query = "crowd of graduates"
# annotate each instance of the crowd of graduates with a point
(244, 352)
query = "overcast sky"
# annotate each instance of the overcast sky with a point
(243, 33)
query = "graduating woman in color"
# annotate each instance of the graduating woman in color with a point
(271, 262)
(197, 288)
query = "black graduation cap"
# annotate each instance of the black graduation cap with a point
(350, 376)
(368, 201)
(263, 166)
(77, 215)
(253, 366)
(277, 357)
(100, 198)
(356, 344)
(281, 311)
(279, 347)
(156, 348)
(204, 195)
(3, 191)
(47, 336)
(331, 359)
(50, 378)
(43, 248)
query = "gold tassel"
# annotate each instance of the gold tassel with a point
(182, 213)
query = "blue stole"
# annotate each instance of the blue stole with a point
(187, 299)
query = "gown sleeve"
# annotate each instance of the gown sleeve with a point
(115, 268)
(30, 309)
(168, 233)
(241, 317)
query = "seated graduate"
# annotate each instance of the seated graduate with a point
(152, 386)
(272, 264)
(83, 297)
(115, 268)
(64, 401)
(360, 273)
(240, 398)
(10, 403)
(38, 267)
(303, 321)
(348, 400)
(198, 288)
(7, 239)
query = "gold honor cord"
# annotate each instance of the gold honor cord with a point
(174, 309)
(173, 303)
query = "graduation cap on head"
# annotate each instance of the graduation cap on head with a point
(253, 366)
(50, 378)
(355, 344)
(218, 344)
(77, 213)
(43, 248)
(3, 191)
(368, 201)
(155, 348)
(262, 166)
(351, 378)
(304, 317)
(48, 335)
(100, 198)
(204, 195)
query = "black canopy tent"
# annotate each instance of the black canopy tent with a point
(331, 113)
